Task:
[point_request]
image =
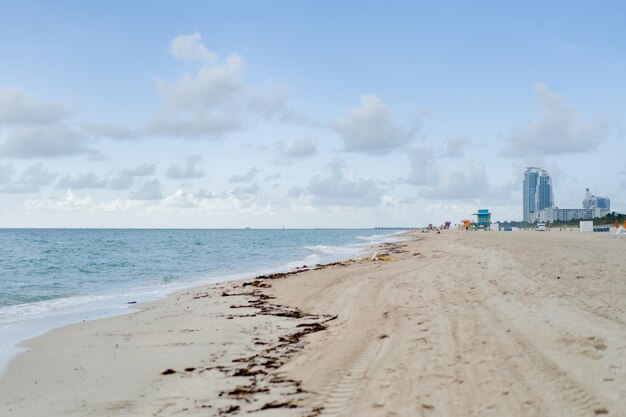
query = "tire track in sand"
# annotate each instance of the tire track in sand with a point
(344, 385)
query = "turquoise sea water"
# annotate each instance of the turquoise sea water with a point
(53, 277)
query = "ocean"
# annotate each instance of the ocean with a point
(53, 277)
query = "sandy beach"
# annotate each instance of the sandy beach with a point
(456, 324)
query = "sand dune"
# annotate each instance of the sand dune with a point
(457, 324)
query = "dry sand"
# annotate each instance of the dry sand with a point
(457, 324)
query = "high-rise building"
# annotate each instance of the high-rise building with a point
(537, 192)
(595, 201)
(544, 196)
(530, 186)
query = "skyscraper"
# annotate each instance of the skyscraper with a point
(544, 196)
(530, 186)
(537, 191)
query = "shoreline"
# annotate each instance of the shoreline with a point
(453, 324)
(228, 300)
(115, 304)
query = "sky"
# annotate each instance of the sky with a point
(305, 114)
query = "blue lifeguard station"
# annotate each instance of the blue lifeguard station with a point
(483, 218)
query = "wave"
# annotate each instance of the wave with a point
(335, 250)
(383, 238)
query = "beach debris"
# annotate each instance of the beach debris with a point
(248, 372)
(228, 294)
(277, 404)
(600, 411)
(259, 367)
(256, 283)
(169, 371)
(383, 257)
(324, 266)
(230, 409)
(243, 390)
(132, 302)
(313, 327)
(428, 406)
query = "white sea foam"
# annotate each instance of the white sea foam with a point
(383, 238)
(347, 250)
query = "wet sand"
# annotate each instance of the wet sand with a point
(457, 324)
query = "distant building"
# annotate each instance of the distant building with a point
(538, 204)
(595, 201)
(552, 214)
(537, 192)
(530, 185)
(593, 206)
(544, 196)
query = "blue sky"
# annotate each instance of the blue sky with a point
(316, 114)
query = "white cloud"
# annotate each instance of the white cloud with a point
(339, 189)
(198, 126)
(422, 170)
(81, 181)
(215, 100)
(36, 129)
(246, 191)
(212, 86)
(110, 130)
(52, 141)
(177, 202)
(32, 179)
(70, 202)
(472, 182)
(19, 109)
(202, 201)
(370, 128)
(301, 148)
(560, 130)
(454, 147)
(273, 177)
(190, 48)
(204, 106)
(247, 177)
(204, 194)
(125, 178)
(6, 173)
(37, 174)
(270, 100)
(189, 170)
(149, 190)
(297, 150)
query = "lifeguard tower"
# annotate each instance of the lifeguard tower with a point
(483, 218)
